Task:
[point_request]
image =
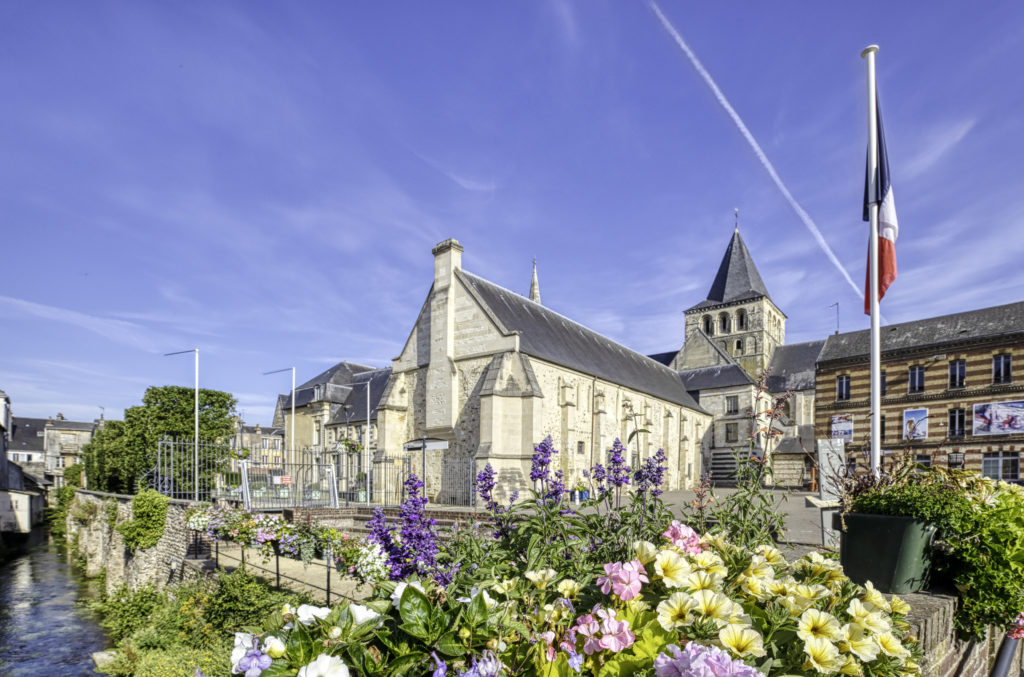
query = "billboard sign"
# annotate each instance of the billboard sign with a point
(915, 424)
(999, 418)
(842, 428)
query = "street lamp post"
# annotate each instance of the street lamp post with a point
(195, 438)
(278, 371)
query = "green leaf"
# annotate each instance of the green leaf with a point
(450, 645)
(300, 645)
(279, 669)
(622, 666)
(414, 607)
(635, 433)
(417, 630)
(477, 611)
(361, 658)
(403, 664)
(381, 606)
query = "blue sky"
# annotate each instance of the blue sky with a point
(265, 180)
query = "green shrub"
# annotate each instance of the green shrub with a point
(73, 475)
(181, 662)
(58, 513)
(240, 599)
(126, 611)
(110, 506)
(149, 517)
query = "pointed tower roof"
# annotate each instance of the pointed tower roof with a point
(535, 285)
(737, 277)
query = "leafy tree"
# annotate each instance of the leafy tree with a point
(122, 452)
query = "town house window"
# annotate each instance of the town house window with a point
(732, 433)
(881, 384)
(916, 379)
(881, 428)
(923, 459)
(957, 373)
(843, 387)
(1001, 465)
(732, 404)
(956, 422)
(1001, 372)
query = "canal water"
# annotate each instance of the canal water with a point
(44, 629)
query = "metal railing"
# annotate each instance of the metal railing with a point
(320, 479)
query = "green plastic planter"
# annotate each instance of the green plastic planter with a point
(894, 553)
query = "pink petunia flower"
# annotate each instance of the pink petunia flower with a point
(683, 537)
(589, 628)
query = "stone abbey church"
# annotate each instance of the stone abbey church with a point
(493, 372)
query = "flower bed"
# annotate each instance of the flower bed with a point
(620, 589)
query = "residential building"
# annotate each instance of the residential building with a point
(953, 390)
(45, 447)
(265, 445)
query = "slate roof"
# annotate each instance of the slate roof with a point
(26, 434)
(264, 430)
(546, 335)
(933, 331)
(737, 277)
(804, 442)
(792, 366)
(64, 424)
(340, 374)
(719, 376)
(664, 358)
(378, 380)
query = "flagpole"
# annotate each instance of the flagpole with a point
(876, 343)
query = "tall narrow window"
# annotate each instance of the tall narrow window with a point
(732, 404)
(957, 373)
(916, 379)
(580, 448)
(843, 387)
(956, 422)
(739, 346)
(732, 433)
(741, 320)
(723, 323)
(882, 384)
(709, 325)
(1001, 372)
(881, 428)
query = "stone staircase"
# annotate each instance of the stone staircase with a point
(723, 467)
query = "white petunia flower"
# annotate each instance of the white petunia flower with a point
(396, 596)
(306, 613)
(325, 666)
(362, 614)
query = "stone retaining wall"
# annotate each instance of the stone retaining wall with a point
(103, 549)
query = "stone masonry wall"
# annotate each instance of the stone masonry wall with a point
(103, 548)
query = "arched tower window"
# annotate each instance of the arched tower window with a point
(739, 346)
(741, 320)
(709, 325)
(723, 323)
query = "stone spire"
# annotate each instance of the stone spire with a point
(737, 276)
(535, 285)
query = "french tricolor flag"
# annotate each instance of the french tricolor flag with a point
(888, 226)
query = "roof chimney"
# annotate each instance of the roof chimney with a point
(447, 259)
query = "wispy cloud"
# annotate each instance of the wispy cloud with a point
(118, 331)
(465, 182)
(756, 147)
(566, 17)
(934, 144)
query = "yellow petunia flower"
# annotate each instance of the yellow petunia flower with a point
(713, 605)
(875, 598)
(852, 667)
(676, 611)
(857, 642)
(672, 568)
(891, 646)
(710, 562)
(645, 551)
(759, 568)
(702, 580)
(816, 624)
(822, 656)
(771, 554)
(742, 641)
(541, 578)
(568, 588)
(898, 606)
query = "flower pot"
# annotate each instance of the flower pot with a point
(894, 553)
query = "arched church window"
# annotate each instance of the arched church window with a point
(741, 320)
(723, 323)
(739, 346)
(709, 325)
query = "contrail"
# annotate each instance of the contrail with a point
(804, 216)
